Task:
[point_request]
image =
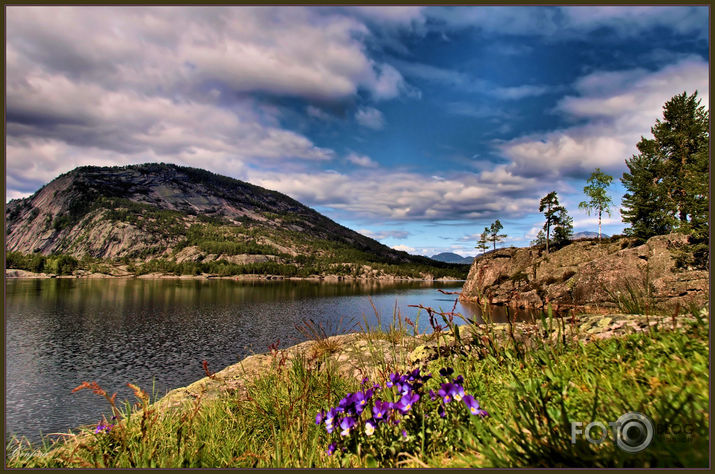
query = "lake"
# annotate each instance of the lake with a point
(61, 332)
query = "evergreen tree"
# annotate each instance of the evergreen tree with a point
(599, 200)
(667, 182)
(494, 235)
(483, 239)
(645, 205)
(563, 228)
(549, 205)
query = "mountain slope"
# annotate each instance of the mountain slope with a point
(182, 214)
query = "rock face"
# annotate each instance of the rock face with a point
(148, 211)
(586, 273)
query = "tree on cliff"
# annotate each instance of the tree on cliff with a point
(483, 239)
(599, 200)
(667, 181)
(557, 219)
(494, 235)
(549, 205)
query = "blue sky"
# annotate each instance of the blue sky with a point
(417, 126)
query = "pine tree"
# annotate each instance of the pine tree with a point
(483, 239)
(646, 206)
(596, 190)
(494, 235)
(549, 206)
(563, 228)
(667, 182)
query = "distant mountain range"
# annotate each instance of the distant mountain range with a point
(588, 235)
(449, 257)
(198, 219)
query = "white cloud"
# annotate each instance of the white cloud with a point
(618, 106)
(401, 196)
(361, 160)
(370, 117)
(404, 248)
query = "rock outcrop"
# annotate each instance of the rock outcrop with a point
(586, 274)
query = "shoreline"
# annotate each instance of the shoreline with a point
(17, 274)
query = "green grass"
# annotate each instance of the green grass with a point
(532, 387)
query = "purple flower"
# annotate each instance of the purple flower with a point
(102, 428)
(446, 391)
(406, 402)
(346, 424)
(364, 381)
(473, 406)
(432, 395)
(441, 412)
(380, 409)
(395, 379)
(404, 434)
(320, 417)
(459, 380)
(331, 449)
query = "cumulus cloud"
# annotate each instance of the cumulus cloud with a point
(177, 85)
(370, 117)
(361, 160)
(401, 196)
(618, 107)
(404, 248)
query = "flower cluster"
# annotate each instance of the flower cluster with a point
(103, 428)
(369, 409)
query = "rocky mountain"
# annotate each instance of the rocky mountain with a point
(587, 273)
(181, 214)
(450, 257)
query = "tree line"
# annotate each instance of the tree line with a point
(666, 188)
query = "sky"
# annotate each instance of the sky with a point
(417, 126)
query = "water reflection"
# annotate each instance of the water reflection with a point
(61, 332)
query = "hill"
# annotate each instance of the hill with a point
(175, 219)
(450, 257)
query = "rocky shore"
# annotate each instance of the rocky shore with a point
(587, 274)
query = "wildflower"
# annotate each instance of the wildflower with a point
(446, 391)
(320, 417)
(346, 424)
(406, 402)
(441, 412)
(369, 427)
(473, 406)
(380, 409)
(102, 428)
(404, 434)
(331, 449)
(432, 395)
(459, 380)
(364, 381)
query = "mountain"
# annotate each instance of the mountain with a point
(588, 235)
(171, 218)
(449, 257)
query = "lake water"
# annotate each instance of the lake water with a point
(61, 332)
